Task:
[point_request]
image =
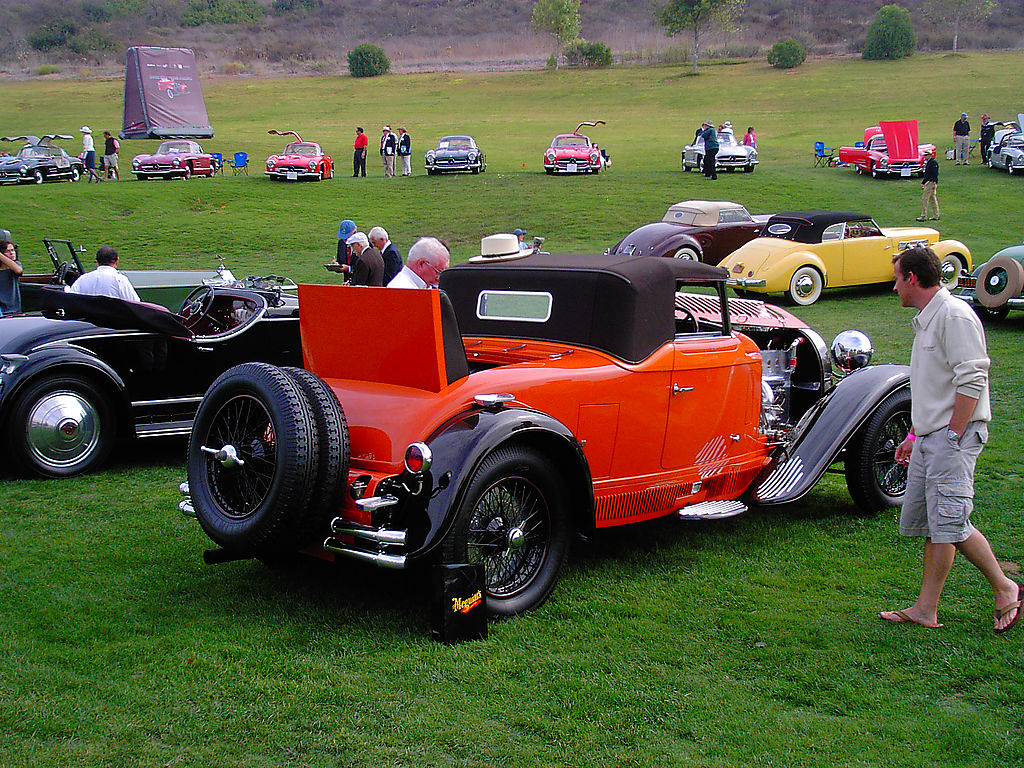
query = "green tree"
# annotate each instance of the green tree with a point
(958, 12)
(558, 18)
(368, 60)
(699, 18)
(786, 54)
(891, 34)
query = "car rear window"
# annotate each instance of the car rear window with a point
(524, 306)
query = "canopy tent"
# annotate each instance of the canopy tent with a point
(162, 95)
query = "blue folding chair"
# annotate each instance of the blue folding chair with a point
(823, 155)
(218, 160)
(240, 163)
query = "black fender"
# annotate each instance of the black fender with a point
(825, 430)
(460, 445)
(47, 362)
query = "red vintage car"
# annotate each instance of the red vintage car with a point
(300, 160)
(173, 159)
(528, 400)
(890, 149)
(574, 153)
(172, 87)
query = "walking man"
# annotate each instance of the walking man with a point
(929, 185)
(950, 413)
(710, 136)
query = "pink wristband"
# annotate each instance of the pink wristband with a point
(911, 436)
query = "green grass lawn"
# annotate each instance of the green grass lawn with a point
(746, 642)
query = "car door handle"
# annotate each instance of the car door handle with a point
(204, 349)
(677, 390)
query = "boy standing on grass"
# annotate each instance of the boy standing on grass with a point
(950, 414)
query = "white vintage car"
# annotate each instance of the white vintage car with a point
(732, 154)
(1008, 149)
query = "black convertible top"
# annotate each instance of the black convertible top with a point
(109, 312)
(806, 226)
(612, 302)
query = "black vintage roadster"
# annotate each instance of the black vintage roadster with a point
(92, 369)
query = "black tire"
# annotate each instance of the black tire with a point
(75, 173)
(805, 286)
(991, 314)
(748, 168)
(332, 437)
(262, 506)
(474, 171)
(37, 176)
(549, 171)
(686, 253)
(188, 172)
(514, 518)
(873, 477)
(61, 426)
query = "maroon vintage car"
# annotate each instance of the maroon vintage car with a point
(173, 159)
(698, 230)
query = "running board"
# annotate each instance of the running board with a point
(712, 510)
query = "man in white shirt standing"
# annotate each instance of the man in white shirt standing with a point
(105, 280)
(89, 150)
(427, 259)
(949, 414)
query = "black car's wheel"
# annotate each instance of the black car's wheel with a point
(748, 168)
(253, 461)
(514, 519)
(992, 314)
(332, 437)
(873, 477)
(60, 427)
(37, 176)
(432, 172)
(75, 173)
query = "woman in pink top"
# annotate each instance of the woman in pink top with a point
(750, 138)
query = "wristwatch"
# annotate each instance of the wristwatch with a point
(952, 435)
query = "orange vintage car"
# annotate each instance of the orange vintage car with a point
(525, 401)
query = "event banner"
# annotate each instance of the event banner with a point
(162, 95)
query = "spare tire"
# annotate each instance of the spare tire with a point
(999, 280)
(253, 461)
(332, 437)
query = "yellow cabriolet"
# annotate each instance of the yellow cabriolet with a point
(802, 252)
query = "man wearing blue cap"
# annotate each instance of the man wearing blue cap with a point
(346, 259)
(521, 234)
(962, 139)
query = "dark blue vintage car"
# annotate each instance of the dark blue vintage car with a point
(92, 370)
(455, 153)
(38, 161)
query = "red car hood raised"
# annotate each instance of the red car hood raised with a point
(900, 139)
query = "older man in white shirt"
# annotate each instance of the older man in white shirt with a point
(427, 259)
(105, 280)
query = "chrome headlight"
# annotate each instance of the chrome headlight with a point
(851, 350)
(312, 164)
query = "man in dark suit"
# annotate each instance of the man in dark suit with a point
(369, 270)
(391, 255)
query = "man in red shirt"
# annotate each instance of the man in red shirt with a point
(359, 155)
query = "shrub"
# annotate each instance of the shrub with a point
(786, 54)
(891, 34)
(201, 12)
(580, 53)
(47, 69)
(54, 35)
(368, 60)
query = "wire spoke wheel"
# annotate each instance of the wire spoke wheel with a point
(244, 423)
(509, 533)
(873, 477)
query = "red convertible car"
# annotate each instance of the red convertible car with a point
(300, 160)
(890, 149)
(178, 158)
(574, 153)
(526, 401)
(698, 230)
(172, 87)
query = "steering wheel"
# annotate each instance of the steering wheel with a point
(196, 305)
(686, 322)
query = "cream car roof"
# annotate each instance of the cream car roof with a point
(704, 212)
